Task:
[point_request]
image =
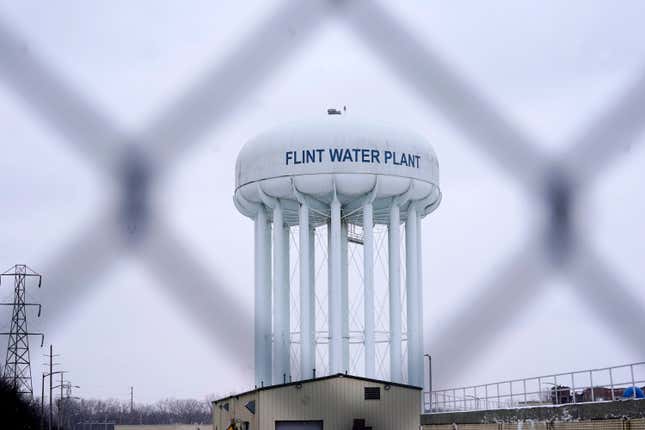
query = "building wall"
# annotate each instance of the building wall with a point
(338, 402)
(163, 427)
(335, 401)
(236, 411)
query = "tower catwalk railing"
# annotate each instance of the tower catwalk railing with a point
(581, 386)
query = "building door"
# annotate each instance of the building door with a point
(298, 425)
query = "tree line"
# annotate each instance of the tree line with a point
(168, 411)
(20, 413)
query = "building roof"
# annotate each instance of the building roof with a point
(306, 381)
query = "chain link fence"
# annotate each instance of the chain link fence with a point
(137, 164)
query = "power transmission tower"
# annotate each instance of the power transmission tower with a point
(17, 369)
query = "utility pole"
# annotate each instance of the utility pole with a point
(68, 396)
(42, 402)
(60, 404)
(60, 401)
(51, 374)
(51, 384)
(429, 379)
(131, 400)
(17, 369)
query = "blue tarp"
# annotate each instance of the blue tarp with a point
(629, 392)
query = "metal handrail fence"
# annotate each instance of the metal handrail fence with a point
(581, 386)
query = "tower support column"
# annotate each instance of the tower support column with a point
(286, 298)
(281, 338)
(394, 275)
(420, 283)
(335, 291)
(415, 353)
(306, 293)
(344, 294)
(262, 299)
(368, 290)
(312, 298)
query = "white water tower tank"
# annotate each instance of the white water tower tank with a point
(338, 175)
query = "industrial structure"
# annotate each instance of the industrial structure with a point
(17, 368)
(329, 198)
(331, 402)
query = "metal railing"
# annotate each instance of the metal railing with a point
(581, 386)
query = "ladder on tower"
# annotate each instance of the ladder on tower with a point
(355, 233)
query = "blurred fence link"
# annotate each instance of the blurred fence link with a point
(136, 163)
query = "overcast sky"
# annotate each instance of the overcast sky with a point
(549, 67)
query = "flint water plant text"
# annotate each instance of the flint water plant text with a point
(351, 155)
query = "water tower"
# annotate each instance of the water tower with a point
(337, 205)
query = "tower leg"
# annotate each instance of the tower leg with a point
(286, 298)
(420, 301)
(262, 299)
(394, 266)
(312, 297)
(344, 295)
(306, 292)
(280, 298)
(415, 353)
(368, 294)
(335, 291)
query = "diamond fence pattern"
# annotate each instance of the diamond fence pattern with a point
(136, 165)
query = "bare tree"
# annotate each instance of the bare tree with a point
(167, 411)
